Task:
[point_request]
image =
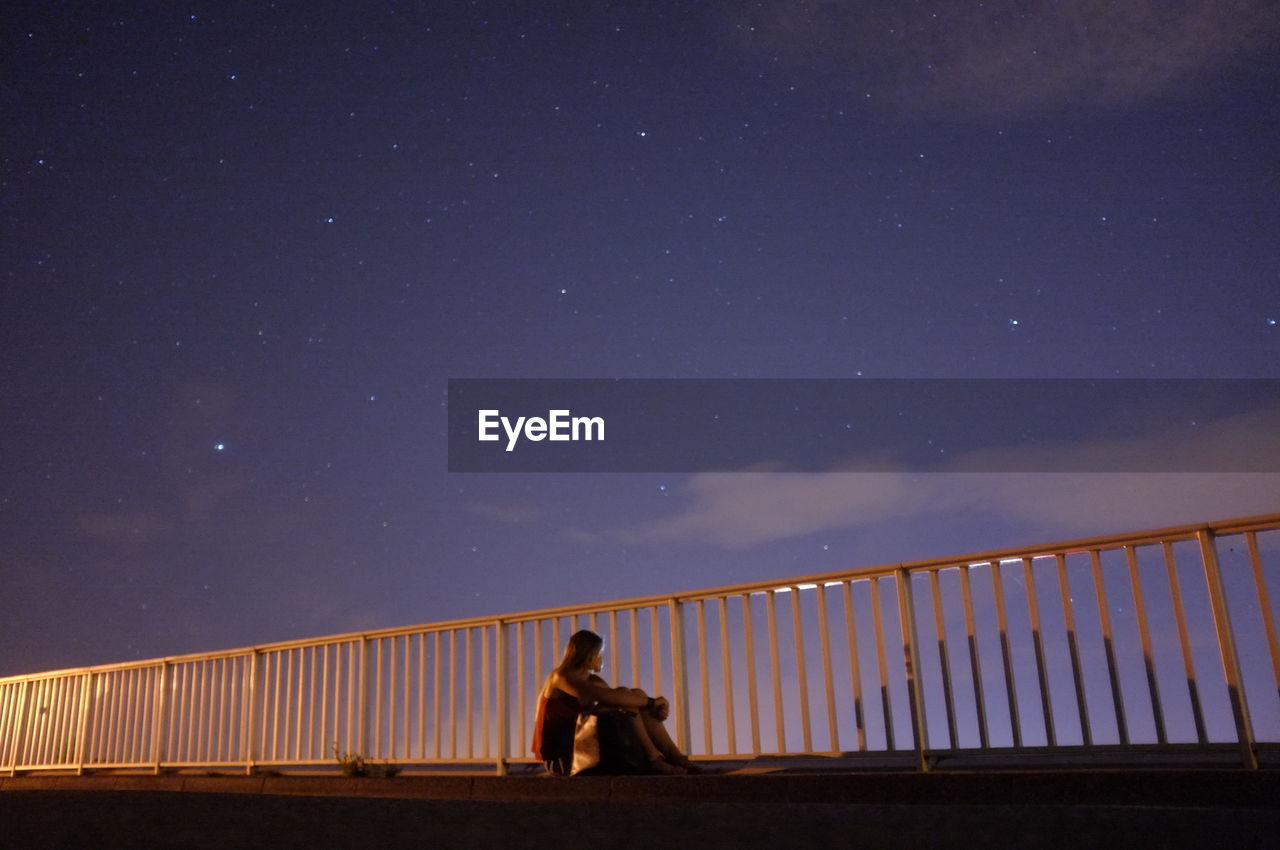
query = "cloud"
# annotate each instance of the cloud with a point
(1245, 442)
(740, 510)
(1007, 57)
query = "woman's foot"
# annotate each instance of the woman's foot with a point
(689, 767)
(661, 766)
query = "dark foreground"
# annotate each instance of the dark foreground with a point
(82, 819)
(1145, 809)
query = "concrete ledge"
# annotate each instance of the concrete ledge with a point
(28, 783)
(318, 786)
(224, 784)
(1228, 789)
(148, 783)
(420, 787)
(84, 783)
(539, 788)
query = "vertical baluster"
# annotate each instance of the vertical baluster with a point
(224, 717)
(200, 712)
(1108, 644)
(466, 637)
(615, 665)
(772, 618)
(1006, 653)
(1227, 649)
(555, 642)
(355, 678)
(802, 676)
(81, 720)
(435, 708)
(120, 716)
(1144, 634)
(391, 700)
(1069, 621)
(521, 710)
(1042, 674)
(453, 693)
(159, 717)
(40, 725)
(882, 664)
(57, 746)
(323, 725)
(484, 691)
(375, 746)
(635, 647)
(944, 660)
(312, 729)
(726, 663)
(679, 672)
(271, 697)
(19, 724)
(248, 696)
(655, 647)
(500, 672)
(1264, 604)
(537, 656)
(855, 672)
(911, 659)
(362, 697)
(51, 745)
(703, 678)
(286, 708)
(408, 651)
(975, 661)
(833, 732)
(753, 703)
(422, 695)
(92, 732)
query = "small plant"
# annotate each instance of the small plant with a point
(387, 769)
(351, 764)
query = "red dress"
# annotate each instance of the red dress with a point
(553, 730)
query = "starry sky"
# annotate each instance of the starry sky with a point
(244, 247)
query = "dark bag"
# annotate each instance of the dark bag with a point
(605, 742)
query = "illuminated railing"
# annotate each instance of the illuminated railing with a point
(1159, 642)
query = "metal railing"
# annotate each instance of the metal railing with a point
(1154, 642)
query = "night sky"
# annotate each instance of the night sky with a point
(244, 246)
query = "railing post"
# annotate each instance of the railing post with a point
(249, 726)
(160, 722)
(362, 713)
(911, 658)
(82, 723)
(679, 673)
(500, 649)
(1227, 647)
(19, 727)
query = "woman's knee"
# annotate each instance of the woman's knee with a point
(637, 692)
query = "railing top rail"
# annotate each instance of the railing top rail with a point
(1113, 541)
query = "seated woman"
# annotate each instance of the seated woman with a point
(574, 686)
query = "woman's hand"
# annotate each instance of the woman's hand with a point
(661, 708)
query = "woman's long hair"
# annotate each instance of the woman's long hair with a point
(579, 650)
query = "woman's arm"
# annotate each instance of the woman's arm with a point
(590, 689)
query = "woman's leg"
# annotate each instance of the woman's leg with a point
(661, 753)
(651, 752)
(658, 738)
